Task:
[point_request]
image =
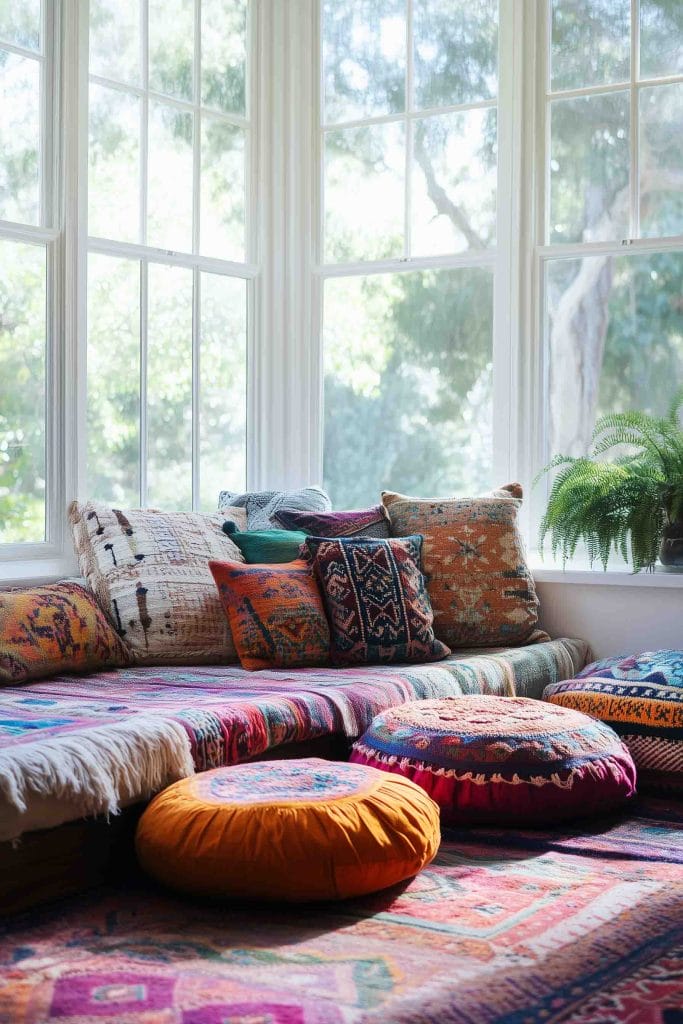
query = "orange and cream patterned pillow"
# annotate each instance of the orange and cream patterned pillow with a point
(481, 589)
(150, 573)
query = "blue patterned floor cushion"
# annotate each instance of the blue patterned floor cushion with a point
(641, 697)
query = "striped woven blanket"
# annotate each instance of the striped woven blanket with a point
(99, 741)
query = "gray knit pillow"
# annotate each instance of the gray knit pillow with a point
(262, 505)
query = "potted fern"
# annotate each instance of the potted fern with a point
(630, 504)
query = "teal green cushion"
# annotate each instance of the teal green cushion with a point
(268, 546)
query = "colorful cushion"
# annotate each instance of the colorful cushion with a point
(150, 572)
(651, 666)
(288, 830)
(275, 614)
(502, 759)
(376, 600)
(262, 505)
(641, 698)
(55, 629)
(367, 522)
(266, 546)
(480, 586)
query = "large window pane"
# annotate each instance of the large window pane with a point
(661, 160)
(456, 51)
(591, 42)
(169, 192)
(22, 392)
(661, 38)
(223, 190)
(364, 192)
(113, 379)
(589, 168)
(115, 39)
(20, 23)
(454, 182)
(222, 387)
(364, 58)
(407, 360)
(114, 165)
(171, 47)
(615, 341)
(19, 138)
(169, 387)
(224, 48)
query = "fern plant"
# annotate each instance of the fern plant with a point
(629, 504)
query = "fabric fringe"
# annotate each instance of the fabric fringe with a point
(100, 768)
(480, 779)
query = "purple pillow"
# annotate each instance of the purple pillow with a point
(365, 522)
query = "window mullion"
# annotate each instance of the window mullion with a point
(144, 310)
(634, 231)
(196, 368)
(407, 246)
(144, 117)
(197, 127)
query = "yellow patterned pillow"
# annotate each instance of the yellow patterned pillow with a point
(150, 572)
(480, 586)
(53, 629)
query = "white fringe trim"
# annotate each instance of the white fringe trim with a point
(481, 779)
(100, 768)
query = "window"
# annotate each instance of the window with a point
(169, 226)
(469, 246)
(28, 255)
(611, 264)
(409, 145)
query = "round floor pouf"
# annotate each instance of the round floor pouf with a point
(292, 830)
(506, 760)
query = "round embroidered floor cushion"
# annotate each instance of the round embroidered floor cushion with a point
(641, 698)
(501, 759)
(288, 830)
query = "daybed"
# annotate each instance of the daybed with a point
(86, 745)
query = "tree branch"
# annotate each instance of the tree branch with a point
(443, 203)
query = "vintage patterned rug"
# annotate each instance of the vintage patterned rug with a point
(99, 739)
(570, 928)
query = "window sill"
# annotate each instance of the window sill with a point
(35, 572)
(615, 576)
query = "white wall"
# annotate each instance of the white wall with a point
(613, 619)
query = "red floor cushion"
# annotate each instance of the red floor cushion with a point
(292, 830)
(501, 759)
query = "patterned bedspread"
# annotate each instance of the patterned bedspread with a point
(110, 737)
(582, 926)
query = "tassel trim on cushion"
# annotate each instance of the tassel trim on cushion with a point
(563, 780)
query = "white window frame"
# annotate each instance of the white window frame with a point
(285, 276)
(502, 259)
(46, 556)
(540, 252)
(147, 254)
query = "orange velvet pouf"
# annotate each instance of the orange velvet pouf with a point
(288, 830)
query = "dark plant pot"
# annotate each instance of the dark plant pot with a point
(671, 551)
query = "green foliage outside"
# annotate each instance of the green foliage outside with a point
(408, 357)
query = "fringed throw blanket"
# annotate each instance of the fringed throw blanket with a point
(112, 737)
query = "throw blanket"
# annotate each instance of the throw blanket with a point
(586, 927)
(117, 736)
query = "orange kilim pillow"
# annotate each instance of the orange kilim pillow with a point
(275, 613)
(480, 586)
